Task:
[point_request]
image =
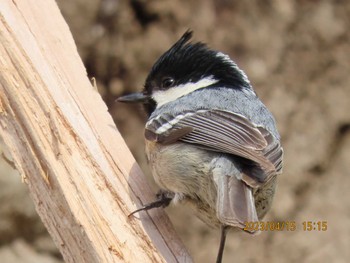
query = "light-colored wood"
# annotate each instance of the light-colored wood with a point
(82, 177)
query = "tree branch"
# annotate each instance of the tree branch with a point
(64, 143)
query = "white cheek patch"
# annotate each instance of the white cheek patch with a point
(164, 96)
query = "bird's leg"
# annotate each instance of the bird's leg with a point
(163, 200)
(224, 230)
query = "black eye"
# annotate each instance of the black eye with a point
(167, 82)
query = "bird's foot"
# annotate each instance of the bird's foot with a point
(163, 200)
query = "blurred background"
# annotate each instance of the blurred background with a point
(297, 56)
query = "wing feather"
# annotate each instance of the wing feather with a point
(223, 131)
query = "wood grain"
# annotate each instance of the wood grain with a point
(81, 175)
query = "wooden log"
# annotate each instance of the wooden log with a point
(81, 175)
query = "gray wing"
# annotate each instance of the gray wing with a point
(223, 131)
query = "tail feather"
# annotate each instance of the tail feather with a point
(235, 202)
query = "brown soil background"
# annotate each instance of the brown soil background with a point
(297, 56)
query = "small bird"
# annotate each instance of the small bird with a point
(210, 142)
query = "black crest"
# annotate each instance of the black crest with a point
(189, 62)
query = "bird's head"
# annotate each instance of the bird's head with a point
(185, 68)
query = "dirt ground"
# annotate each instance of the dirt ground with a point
(297, 56)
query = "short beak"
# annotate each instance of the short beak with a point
(134, 98)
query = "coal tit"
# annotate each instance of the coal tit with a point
(211, 143)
